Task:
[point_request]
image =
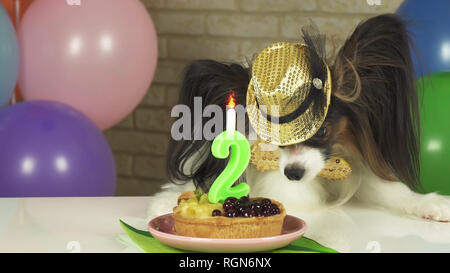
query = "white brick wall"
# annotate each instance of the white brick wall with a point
(225, 30)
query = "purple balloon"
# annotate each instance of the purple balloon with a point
(49, 149)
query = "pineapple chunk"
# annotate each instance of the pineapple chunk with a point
(198, 208)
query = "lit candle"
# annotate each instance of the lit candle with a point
(231, 113)
(222, 188)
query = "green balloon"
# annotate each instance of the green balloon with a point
(435, 132)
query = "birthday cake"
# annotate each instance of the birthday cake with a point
(236, 218)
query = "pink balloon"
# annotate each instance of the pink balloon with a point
(98, 57)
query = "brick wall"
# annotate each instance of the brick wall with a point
(224, 30)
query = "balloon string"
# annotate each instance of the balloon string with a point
(17, 13)
(17, 20)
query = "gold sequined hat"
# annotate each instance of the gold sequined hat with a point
(289, 92)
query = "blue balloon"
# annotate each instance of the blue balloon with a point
(9, 58)
(430, 32)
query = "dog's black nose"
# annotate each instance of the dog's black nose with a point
(294, 173)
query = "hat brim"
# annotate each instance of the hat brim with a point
(298, 130)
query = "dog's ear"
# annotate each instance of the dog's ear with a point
(191, 159)
(373, 75)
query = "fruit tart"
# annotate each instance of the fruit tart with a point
(236, 218)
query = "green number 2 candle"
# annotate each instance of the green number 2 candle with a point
(222, 187)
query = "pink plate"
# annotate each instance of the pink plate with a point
(162, 229)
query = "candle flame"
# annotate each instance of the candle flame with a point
(231, 103)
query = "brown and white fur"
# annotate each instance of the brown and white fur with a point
(373, 123)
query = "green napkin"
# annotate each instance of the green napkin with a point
(149, 244)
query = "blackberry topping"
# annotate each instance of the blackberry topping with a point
(228, 206)
(266, 213)
(258, 212)
(216, 212)
(240, 211)
(266, 207)
(231, 200)
(230, 213)
(255, 205)
(244, 199)
(249, 213)
(275, 211)
(244, 207)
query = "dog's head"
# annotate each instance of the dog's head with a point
(374, 89)
(303, 161)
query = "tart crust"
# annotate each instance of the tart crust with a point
(230, 228)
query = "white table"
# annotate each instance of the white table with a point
(92, 224)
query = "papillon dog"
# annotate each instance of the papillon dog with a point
(372, 122)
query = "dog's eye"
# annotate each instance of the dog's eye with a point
(321, 133)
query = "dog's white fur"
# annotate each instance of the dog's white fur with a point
(314, 193)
